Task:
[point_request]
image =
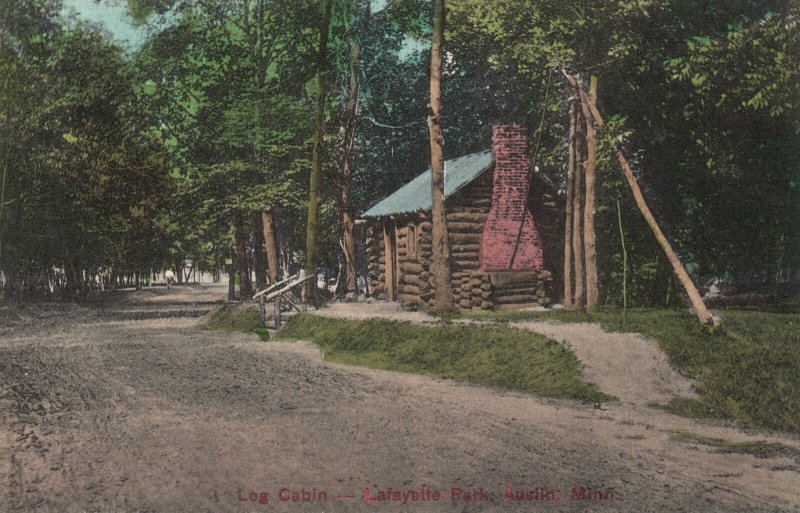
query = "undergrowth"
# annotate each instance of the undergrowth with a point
(231, 318)
(749, 372)
(501, 357)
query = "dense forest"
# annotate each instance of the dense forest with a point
(194, 151)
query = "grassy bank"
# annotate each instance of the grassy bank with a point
(750, 373)
(500, 357)
(231, 318)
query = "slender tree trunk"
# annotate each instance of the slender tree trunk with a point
(316, 160)
(179, 270)
(347, 221)
(241, 257)
(259, 253)
(577, 215)
(232, 276)
(568, 298)
(269, 245)
(694, 296)
(589, 243)
(2, 206)
(441, 245)
(624, 266)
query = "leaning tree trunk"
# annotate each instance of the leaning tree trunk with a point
(269, 245)
(589, 244)
(694, 296)
(347, 222)
(440, 263)
(316, 159)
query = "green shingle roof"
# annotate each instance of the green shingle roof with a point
(416, 195)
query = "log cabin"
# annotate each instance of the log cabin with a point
(504, 229)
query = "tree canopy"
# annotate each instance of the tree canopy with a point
(124, 161)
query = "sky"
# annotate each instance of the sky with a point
(112, 15)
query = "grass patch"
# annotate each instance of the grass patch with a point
(750, 372)
(501, 357)
(230, 318)
(758, 448)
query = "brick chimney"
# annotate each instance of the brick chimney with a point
(510, 240)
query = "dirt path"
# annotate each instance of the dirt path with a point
(625, 365)
(99, 412)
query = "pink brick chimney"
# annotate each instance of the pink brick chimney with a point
(510, 240)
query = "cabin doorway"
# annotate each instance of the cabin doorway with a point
(390, 255)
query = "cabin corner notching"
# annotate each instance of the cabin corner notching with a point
(503, 228)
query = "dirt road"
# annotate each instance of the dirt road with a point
(131, 408)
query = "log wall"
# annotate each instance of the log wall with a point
(472, 287)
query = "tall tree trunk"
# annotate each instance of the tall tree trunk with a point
(179, 270)
(259, 253)
(2, 205)
(577, 214)
(245, 288)
(589, 243)
(694, 296)
(232, 276)
(568, 298)
(268, 226)
(316, 159)
(347, 221)
(441, 245)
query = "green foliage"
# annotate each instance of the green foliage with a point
(707, 93)
(235, 319)
(129, 162)
(489, 356)
(80, 188)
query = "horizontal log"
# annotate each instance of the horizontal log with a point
(464, 248)
(409, 289)
(409, 298)
(465, 227)
(411, 267)
(465, 238)
(519, 286)
(514, 292)
(506, 300)
(467, 217)
(411, 279)
(513, 278)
